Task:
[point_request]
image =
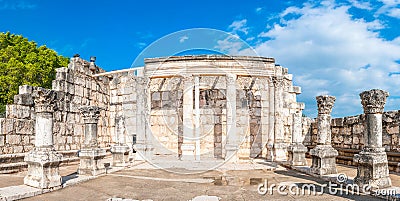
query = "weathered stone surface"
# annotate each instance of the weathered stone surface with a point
(323, 160)
(372, 164)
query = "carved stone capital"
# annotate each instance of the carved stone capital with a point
(325, 104)
(90, 114)
(187, 78)
(142, 80)
(44, 100)
(278, 81)
(231, 79)
(373, 101)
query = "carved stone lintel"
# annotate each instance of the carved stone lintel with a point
(373, 101)
(325, 104)
(90, 114)
(44, 100)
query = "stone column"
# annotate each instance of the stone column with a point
(280, 147)
(297, 151)
(143, 146)
(264, 116)
(91, 155)
(188, 144)
(197, 115)
(372, 163)
(271, 131)
(120, 151)
(324, 155)
(43, 161)
(232, 141)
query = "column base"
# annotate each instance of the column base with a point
(270, 152)
(323, 160)
(231, 153)
(43, 168)
(280, 151)
(372, 170)
(188, 152)
(143, 152)
(120, 155)
(91, 162)
(297, 154)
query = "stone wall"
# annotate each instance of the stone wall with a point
(75, 87)
(348, 132)
(348, 137)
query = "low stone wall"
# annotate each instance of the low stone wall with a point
(348, 137)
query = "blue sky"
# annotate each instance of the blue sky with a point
(331, 47)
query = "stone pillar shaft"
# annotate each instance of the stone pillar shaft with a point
(188, 144)
(197, 115)
(279, 144)
(143, 143)
(372, 164)
(231, 147)
(297, 150)
(271, 131)
(324, 155)
(43, 161)
(91, 156)
(120, 151)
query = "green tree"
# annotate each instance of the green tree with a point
(23, 62)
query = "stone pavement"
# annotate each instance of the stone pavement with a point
(228, 182)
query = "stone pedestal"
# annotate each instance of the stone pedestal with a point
(372, 163)
(280, 151)
(188, 152)
(43, 168)
(91, 156)
(297, 150)
(43, 161)
(91, 162)
(324, 155)
(120, 154)
(297, 155)
(120, 151)
(323, 160)
(372, 169)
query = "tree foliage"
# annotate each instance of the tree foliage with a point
(23, 62)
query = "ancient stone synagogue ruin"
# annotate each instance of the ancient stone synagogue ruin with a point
(190, 108)
(227, 103)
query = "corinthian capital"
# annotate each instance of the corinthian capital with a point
(325, 104)
(90, 114)
(44, 100)
(142, 80)
(373, 101)
(278, 81)
(231, 78)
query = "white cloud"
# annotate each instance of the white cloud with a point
(366, 5)
(330, 52)
(259, 9)
(16, 5)
(390, 8)
(183, 39)
(239, 26)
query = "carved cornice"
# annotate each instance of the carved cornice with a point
(90, 114)
(373, 101)
(44, 100)
(325, 104)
